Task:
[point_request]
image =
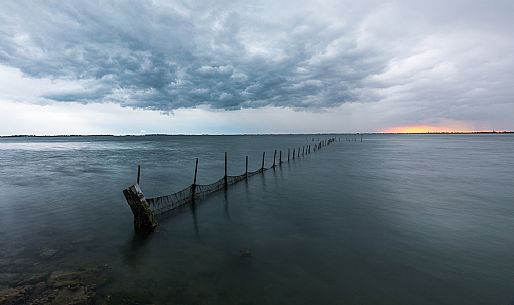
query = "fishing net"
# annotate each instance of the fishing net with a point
(163, 204)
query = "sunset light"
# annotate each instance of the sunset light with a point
(424, 129)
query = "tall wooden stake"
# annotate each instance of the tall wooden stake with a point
(225, 177)
(138, 173)
(194, 181)
(262, 165)
(246, 168)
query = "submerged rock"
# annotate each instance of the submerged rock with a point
(15, 295)
(71, 286)
(34, 279)
(127, 298)
(47, 253)
(7, 278)
(245, 253)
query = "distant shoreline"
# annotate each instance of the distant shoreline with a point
(265, 134)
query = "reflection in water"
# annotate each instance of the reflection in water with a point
(263, 182)
(195, 221)
(226, 203)
(133, 251)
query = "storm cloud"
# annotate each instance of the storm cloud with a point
(434, 60)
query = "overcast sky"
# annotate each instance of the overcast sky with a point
(125, 67)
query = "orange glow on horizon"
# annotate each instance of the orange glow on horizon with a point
(427, 129)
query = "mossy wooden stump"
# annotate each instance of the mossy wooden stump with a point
(144, 219)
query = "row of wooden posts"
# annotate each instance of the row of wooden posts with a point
(144, 217)
(305, 150)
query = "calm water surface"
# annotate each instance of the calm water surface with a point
(396, 219)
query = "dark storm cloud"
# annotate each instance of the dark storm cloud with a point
(232, 55)
(145, 55)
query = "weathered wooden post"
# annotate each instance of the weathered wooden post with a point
(298, 153)
(288, 153)
(280, 157)
(246, 168)
(138, 173)
(303, 151)
(193, 190)
(293, 153)
(144, 219)
(262, 165)
(274, 157)
(225, 177)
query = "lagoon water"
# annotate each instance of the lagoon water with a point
(396, 219)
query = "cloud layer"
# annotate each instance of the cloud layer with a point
(434, 61)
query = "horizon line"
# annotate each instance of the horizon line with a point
(254, 134)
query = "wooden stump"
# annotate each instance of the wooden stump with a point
(144, 219)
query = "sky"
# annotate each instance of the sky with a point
(228, 67)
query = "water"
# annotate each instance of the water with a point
(396, 219)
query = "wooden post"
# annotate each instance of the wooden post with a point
(298, 153)
(196, 171)
(246, 168)
(280, 157)
(274, 157)
(144, 219)
(194, 182)
(293, 153)
(225, 177)
(288, 153)
(138, 173)
(303, 151)
(262, 165)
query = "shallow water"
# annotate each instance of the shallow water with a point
(396, 219)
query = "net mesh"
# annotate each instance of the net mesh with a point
(163, 204)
